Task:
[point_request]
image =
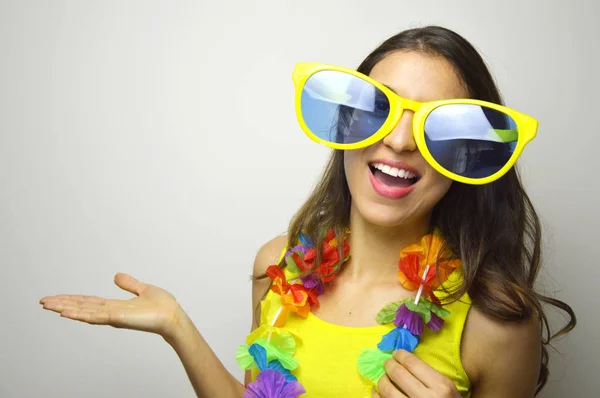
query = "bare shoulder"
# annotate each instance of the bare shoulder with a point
(269, 254)
(501, 358)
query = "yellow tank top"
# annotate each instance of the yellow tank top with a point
(328, 352)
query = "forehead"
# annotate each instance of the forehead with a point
(418, 76)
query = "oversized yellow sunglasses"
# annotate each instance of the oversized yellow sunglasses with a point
(467, 140)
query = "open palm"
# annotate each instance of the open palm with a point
(152, 310)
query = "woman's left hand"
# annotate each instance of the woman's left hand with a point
(408, 376)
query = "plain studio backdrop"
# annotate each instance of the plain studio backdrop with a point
(159, 138)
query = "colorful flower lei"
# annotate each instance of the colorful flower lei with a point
(271, 347)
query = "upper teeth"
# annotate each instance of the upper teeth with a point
(393, 171)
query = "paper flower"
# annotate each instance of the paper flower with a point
(298, 249)
(280, 285)
(329, 260)
(294, 256)
(312, 281)
(305, 240)
(406, 313)
(411, 272)
(414, 316)
(272, 384)
(282, 354)
(279, 336)
(415, 258)
(371, 364)
(435, 323)
(294, 297)
(398, 339)
(412, 320)
(259, 353)
(388, 313)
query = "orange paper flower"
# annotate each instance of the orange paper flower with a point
(294, 297)
(415, 258)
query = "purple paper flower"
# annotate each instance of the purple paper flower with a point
(412, 320)
(311, 281)
(297, 249)
(272, 384)
(435, 323)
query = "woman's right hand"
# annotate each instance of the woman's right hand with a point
(153, 309)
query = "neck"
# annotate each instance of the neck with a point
(375, 250)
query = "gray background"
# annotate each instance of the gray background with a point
(159, 139)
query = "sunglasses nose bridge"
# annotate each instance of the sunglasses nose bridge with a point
(410, 104)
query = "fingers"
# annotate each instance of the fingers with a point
(96, 312)
(130, 284)
(64, 305)
(54, 303)
(88, 309)
(401, 377)
(388, 389)
(124, 281)
(88, 315)
(74, 298)
(422, 372)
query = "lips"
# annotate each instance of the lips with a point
(392, 180)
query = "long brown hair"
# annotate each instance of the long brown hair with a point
(493, 228)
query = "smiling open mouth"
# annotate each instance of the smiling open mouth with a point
(392, 176)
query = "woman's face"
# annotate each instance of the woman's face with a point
(387, 200)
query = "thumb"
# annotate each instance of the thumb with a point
(129, 283)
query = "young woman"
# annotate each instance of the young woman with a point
(410, 270)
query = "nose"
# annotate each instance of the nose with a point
(401, 138)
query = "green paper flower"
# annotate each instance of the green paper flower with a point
(388, 313)
(284, 354)
(371, 364)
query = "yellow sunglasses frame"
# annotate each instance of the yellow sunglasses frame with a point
(526, 125)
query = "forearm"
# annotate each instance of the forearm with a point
(207, 374)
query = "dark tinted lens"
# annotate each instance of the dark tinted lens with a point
(470, 140)
(341, 108)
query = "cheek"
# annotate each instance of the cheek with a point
(439, 185)
(352, 164)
